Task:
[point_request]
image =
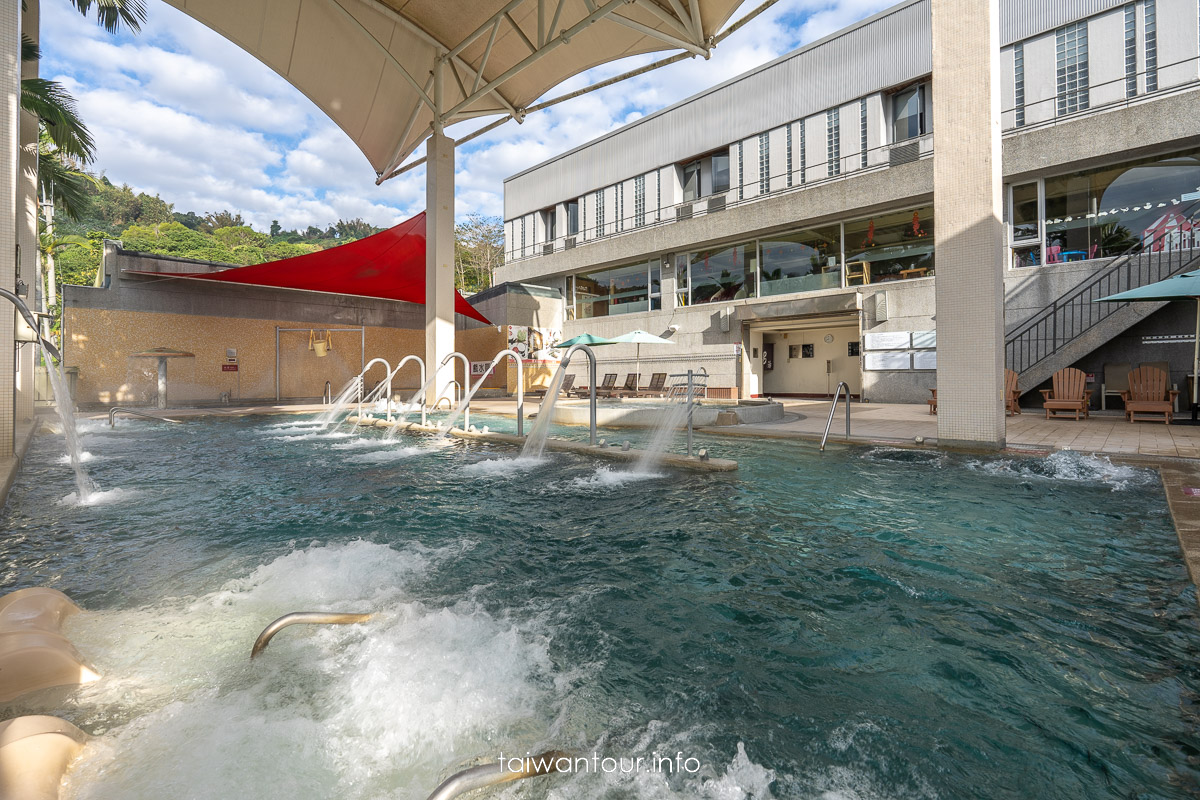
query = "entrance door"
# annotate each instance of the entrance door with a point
(811, 363)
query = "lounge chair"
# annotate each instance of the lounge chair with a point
(932, 401)
(609, 382)
(1116, 382)
(1148, 394)
(630, 387)
(1011, 393)
(567, 385)
(1165, 366)
(1069, 394)
(658, 386)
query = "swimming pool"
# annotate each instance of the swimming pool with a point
(865, 623)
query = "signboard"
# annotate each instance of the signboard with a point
(229, 368)
(923, 340)
(925, 360)
(479, 367)
(535, 343)
(895, 340)
(880, 361)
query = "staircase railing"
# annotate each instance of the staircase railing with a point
(1076, 312)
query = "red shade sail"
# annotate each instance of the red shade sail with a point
(389, 265)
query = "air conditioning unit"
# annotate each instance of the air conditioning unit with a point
(716, 203)
(684, 211)
(548, 249)
(569, 243)
(904, 154)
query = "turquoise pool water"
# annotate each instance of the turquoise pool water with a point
(866, 623)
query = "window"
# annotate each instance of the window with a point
(1071, 43)
(862, 132)
(803, 157)
(1131, 50)
(908, 113)
(655, 286)
(681, 280)
(620, 203)
(764, 163)
(691, 181)
(833, 142)
(639, 201)
(572, 217)
(550, 222)
(1151, 24)
(722, 274)
(893, 246)
(522, 237)
(600, 212)
(622, 290)
(789, 154)
(1025, 224)
(1019, 82)
(741, 165)
(720, 171)
(802, 261)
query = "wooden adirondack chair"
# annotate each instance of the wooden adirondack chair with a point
(630, 387)
(1068, 395)
(1148, 394)
(1011, 393)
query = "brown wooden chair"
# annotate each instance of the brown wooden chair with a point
(610, 380)
(630, 387)
(1069, 394)
(657, 388)
(1148, 394)
(1011, 393)
(1116, 382)
(932, 401)
(567, 387)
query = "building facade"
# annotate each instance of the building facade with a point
(779, 227)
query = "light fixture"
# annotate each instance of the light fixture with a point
(673, 328)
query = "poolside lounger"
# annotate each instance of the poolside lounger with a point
(1116, 382)
(932, 401)
(1148, 394)
(658, 386)
(568, 385)
(1011, 393)
(630, 387)
(1165, 366)
(610, 381)
(1068, 395)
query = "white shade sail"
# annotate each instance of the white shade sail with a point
(390, 72)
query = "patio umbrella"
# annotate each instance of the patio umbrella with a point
(585, 338)
(639, 338)
(1178, 287)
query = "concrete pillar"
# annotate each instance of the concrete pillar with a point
(969, 223)
(29, 269)
(10, 87)
(439, 261)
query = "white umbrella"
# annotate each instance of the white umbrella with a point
(639, 338)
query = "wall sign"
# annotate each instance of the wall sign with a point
(894, 340)
(922, 340)
(885, 361)
(925, 360)
(479, 367)
(229, 368)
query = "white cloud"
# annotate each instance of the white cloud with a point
(181, 112)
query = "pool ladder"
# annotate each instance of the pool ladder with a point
(833, 408)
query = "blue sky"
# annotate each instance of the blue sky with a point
(181, 112)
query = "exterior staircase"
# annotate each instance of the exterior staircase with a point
(1074, 324)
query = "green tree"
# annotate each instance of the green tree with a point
(240, 236)
(223, 219)
(191, 219)
(112, 14)
(275, 228)
(478, 251)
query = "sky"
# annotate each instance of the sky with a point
(179, 111)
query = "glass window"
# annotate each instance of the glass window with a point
(1025, 212)
(681, 280)
(1104, 212)
(1071, 43)
(613, 291)
(833, 142)
(908, 113)
(550, 216)
(802, 261)
(572, 217)
(691, 181)
(894, 246)
(655, 286)
(723, 274)
(720, 172)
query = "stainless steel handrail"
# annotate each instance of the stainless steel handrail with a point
(836, 394)
(472, 778)
(591, 357)
(112, 416)
(304, 618)
(328, 395)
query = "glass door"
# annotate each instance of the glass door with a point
(1026, 211)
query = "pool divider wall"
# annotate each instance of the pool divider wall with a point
(560, 445)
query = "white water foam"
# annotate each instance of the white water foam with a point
(306, 437)
(362, 442)
(503, 467)
(606, 478)
(358, 711)
(100, 497)
(84, 457)
(1070, 467)
(386, 456)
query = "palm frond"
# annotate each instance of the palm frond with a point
(55, 107)
(29, 49)
(67, 187)
(112, 14)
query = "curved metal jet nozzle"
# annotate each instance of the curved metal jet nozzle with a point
(497, 772)
(304, 618)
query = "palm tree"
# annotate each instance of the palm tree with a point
(49, 245)
(112, 14)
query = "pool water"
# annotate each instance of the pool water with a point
(863, 623)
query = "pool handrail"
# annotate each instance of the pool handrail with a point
(466, 380)
(455, 396)
(112, 416)
(496, 772)
(362, 377)
(591, 357)
(32, 322)
(401, 363)
(327, 396)
(833, 407)
(303, 618)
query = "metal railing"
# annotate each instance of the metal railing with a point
(112, 416)
(1076, 312)
(687, 390)
(833, 408)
